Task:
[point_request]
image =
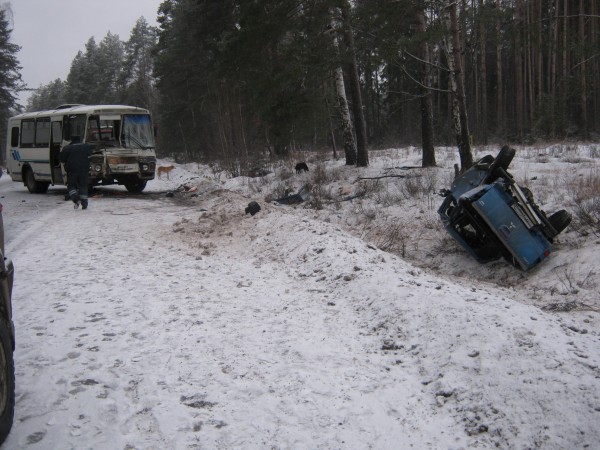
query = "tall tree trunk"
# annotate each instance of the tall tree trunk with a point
(554, 68)
(519, 97)
(565, 64)
(529, 63)
(362, 155)
(241, 118)
(368, 103)
(483, 74)
(457, 83)
(540, 64)
(583, 83)
(347, 134)
(499, 75)
(426, 107)
(331, 130)
(595, 69)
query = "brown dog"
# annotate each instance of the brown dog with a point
(164, 169)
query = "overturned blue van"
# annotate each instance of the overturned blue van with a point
(493, 217)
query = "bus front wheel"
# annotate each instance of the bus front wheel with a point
(35, 187)
(135, 186)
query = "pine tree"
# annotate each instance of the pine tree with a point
(10, 78)
(107, 63)
(81, 78)
(48, 96)
(93, 77)
(186, 70)
(136, 82)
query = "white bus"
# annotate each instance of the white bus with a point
(123, 137)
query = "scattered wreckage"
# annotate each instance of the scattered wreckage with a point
(294, 199)
(491, 216)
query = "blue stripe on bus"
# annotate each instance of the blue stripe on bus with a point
(16, 154)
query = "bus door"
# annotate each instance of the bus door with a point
(55, 141)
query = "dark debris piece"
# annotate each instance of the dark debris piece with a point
(252, 208)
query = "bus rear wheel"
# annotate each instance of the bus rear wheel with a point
(135, 186)
(35, 187)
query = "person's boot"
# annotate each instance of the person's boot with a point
(84, 203)
(75, 198)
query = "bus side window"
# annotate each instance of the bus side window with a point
(42, 132)
(14, 137)
(27, 133)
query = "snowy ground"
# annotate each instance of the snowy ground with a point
(154, 322)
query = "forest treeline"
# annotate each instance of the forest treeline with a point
(228, 79)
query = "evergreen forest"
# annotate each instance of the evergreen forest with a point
(249, 79)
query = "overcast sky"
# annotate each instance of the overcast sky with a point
(51, 32)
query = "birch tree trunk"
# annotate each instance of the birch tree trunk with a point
(331, 130)
(457, 86)
(362, 156)
(347, 134)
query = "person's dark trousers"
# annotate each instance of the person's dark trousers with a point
(67, 195)
(78, 188)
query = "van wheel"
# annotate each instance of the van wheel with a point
(7, 381)
(560, 220)
(135, 186)
(502, 161)
(35, 187)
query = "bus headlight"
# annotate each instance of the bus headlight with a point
(98, 167)
(145, 167)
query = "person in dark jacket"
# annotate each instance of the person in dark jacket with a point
(76, 158)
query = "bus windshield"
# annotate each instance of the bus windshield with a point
(137, 131)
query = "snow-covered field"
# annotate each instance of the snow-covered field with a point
(176, 322)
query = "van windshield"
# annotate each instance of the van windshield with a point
(137, 131)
